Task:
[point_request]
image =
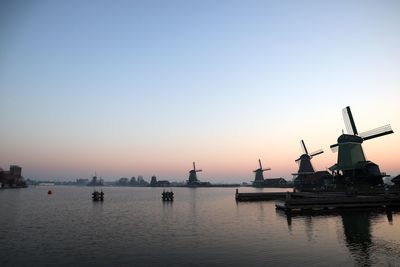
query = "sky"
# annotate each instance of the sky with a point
(128, 88)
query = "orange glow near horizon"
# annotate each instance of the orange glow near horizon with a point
(225, 160)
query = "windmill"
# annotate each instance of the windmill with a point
(259, 173)
(307, 177)
(351, 159)
(304, 161)
(193, 175)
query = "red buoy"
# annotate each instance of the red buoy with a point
(49, 192)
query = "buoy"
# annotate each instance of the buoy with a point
(49, 192)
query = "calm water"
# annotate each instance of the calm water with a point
(202, 227)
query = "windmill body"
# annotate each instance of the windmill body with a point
(259, 180)
(193, 175)
(306, 177)
(193, 181)
(305, 166)
(352, 168)
(350, 151)
(259, 175)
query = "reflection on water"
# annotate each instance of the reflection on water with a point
(357, 233)
(201, 227)
(356, 227)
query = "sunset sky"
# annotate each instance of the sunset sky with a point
(128, 88)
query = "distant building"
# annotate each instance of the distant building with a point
(123, 182)
(161, 183)
(153, 181)
(141, 181)
(313, 181)
(275, 182)
(95, 181)
(12, 178)
(82, 181)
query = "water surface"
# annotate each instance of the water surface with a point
(202, 227)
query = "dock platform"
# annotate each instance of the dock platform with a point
(337, 202)
(259, 196)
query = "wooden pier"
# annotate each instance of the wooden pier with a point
(323, 200)
(337, 202)
(259, 196)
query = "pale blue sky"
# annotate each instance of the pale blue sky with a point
(146, 87)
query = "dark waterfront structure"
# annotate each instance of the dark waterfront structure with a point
(339, 200)
(276, 182)
(95, 181)
(259, 180)
(81, 181)
(193, 181)
(396, 181)
(12, 178)
(307, 179)
(139, 182)
(161, 183)
(193, 175)
(352, 169)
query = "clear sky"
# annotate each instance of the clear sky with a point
(128, 88)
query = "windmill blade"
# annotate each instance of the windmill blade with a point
(303, 147)
(259, 161)
(335, 148)
(317, 152)
(194, 166)
(199, 170)
(267, 169)
(377, 132)
(349, 121)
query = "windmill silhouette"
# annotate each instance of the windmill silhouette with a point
(351, 162)
(306, 176)
(304, 161)
(260, 174)
(193, 175)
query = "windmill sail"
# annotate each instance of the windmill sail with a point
(303, 147)
(335, 148)
(377, 132)
(349, 121)
(317, 152)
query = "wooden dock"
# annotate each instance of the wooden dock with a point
(265, 196)
(259, 196)
(323, 200)
(337, 202)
